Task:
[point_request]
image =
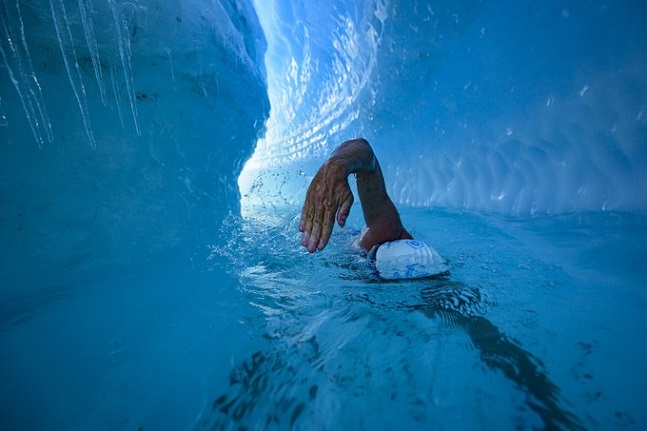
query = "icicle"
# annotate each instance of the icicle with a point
(115, 90)
(26, 102)
(36, 93)
(24, 79)
(88, 29)
(66, 43)
(3, 117)
(170, 60)
(123, 45)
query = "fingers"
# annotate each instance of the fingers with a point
(310, 230)
(328, 223)
(302, 222)
(305, 225)
(344, 210)
(316, 224)
(328, 198)
(315, 235)
(311, 220)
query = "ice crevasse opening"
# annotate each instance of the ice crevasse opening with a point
(125, 125)
(509, 107)
(133, 131)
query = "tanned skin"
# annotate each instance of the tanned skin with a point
(329, 197)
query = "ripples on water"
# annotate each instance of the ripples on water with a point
(476, 348)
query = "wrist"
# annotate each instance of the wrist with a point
(338, 166)
(352, 165)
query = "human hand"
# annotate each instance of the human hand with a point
(328, 197)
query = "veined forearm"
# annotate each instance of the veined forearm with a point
(329, 197)
(355, 156)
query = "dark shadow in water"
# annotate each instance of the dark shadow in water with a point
(448, 300)
(455, 303)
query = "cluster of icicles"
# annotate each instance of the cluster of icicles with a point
(17, 60)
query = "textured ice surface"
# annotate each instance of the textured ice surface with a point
(125, 126)
(510, 107)
(132, 296)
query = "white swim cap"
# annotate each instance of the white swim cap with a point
(406, 258)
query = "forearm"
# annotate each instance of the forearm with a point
(329, 197)
(357, 157)
(354, 156)
(380, 214)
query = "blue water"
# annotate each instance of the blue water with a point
(538, 325)
(154, 155)
(527, 332)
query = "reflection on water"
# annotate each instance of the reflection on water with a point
(336, 335)
(276, 386)
(498, 351)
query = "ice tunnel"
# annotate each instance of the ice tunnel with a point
(489, 106)
(135, 135)
(132, 120)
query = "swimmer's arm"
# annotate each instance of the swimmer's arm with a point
(382, 220)
(329, 197)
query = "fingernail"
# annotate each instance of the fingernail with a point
(305, 239)
(312, 244)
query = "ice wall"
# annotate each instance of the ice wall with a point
(124, 125)
(504, 106)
